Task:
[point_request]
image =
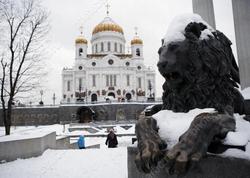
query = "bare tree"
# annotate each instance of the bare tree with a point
(24, 25)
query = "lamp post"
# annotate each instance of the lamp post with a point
(80, 99)
(86, 96)
(54, 98)
(150, 88)
(80, 93)
(41, 93)
(151, 95)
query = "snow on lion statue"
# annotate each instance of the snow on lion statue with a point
(200, 72)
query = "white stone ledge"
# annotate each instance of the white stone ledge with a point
(13, 149)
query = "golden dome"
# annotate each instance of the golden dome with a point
(136, 41)
(81, 40)
(107, 25)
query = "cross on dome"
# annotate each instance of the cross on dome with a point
(80, 39)
(136, 31)
(107, 6)
(81, 29)
(136, 39)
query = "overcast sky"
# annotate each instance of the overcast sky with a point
(150, 16)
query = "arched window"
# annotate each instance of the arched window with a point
(109, 46)
(120, 48)
(68, 85)
(128, 81)
(102, 47)
(138, 53)
(93, 80)
(139, 82)
(115, 80)
(107, 80)
(96, 48)
(80, 84)
(115, 47)
(80, 51)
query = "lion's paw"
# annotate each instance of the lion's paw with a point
(150, 154)
(179, 158)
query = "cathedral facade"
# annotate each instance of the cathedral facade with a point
(108, 73)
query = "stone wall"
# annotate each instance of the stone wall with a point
(118, 111)
(35, 116)
(64, 113)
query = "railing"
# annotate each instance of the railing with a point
(112, 102)
(157, 101)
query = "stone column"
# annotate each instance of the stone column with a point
(205, 9)
(241, 13)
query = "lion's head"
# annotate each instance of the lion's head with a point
(199, 70)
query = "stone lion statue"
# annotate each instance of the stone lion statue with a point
(200, 72)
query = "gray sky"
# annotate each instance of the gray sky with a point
(150, 16)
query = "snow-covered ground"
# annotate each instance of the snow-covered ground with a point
(24, 132)
(89, 163)
(104, 162)
(30, 130)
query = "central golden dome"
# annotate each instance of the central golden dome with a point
(107, 25)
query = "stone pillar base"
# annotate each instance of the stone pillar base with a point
(210, 167)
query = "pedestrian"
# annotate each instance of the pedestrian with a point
(111, 140)
(81, 142)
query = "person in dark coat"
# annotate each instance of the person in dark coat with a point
(81, 142)
(111, 139)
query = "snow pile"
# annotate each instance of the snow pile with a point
(27, 132)
(24, 136)
(89, 163)
(173, 125)
(246, 93)
(241, 136)
(176, 30)
(78, 132)
(237, 153)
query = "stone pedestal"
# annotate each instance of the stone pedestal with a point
(210, 167)
(205, 9)
(241, 12)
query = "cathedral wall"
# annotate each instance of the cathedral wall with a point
(66, 113)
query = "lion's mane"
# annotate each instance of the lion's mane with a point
(210, 74)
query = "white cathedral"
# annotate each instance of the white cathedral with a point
(108, 73)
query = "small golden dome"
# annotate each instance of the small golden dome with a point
(107, 25)
(136, 41)
(81, 40)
